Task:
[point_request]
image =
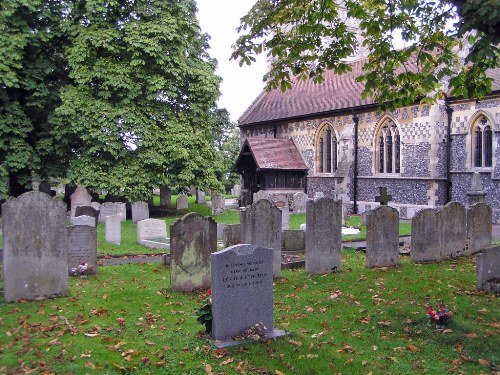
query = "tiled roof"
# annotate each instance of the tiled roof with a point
(336, 92)
(275, 153)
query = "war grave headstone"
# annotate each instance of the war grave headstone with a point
(192, 239)
(218, 204)
(479, 227)
(382, 237)
(82, 248)
(113, 229)
(87, 211)
(165, 196)
(111, 209)
(80, 197)
(453, 231)
(35, 247)
(200, 197)
(231, 235)
(44, 187)
(181, 203)
(140, 211)
(261, 194)
(323, 236)
(488, 269)
(261, 226)
(83, 220)
(425, 236)
(299, 203)
(152, 233)
(242, 293)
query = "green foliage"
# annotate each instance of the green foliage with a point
(305, 38)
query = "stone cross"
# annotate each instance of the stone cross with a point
(383, 198)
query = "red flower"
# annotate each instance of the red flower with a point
(209, 291)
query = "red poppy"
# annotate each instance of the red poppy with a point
(209, 291)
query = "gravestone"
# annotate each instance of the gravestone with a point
(83, 220)
(261, 194)
(200, 197)
(192, 239)
(181, 203)
(453, 230)
(382, 237)
(80, 197)
(318, 195)
(383, 198)
(96, 206)
(153, 233)
(476, 193)
(323, 236)
(140, 211)
(261, 226)
(236, 190)
(425, 236)
(82, 247)
(479, 227)
(87, 211)
(112, 209)
(113, 229)
(299, 203)
(35, 247)
(242, 290)
(218, 204)
(285, 217)
(165, 196)
(488, 269)
(294, 240)
(44, 187)
(231, 235)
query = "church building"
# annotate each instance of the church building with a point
(425, 155)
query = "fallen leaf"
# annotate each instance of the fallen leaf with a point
(208, 369)
(90, 365)
(278, 372)
(220, 353)
(227, 361)
(149, 342)
(375, 347)
(459, 346)
(385, 323)
(483, 362)
(298, 343)
(471, 335)
(447, 330)
(412, 348)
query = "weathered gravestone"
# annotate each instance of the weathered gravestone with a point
(113, 229)
(112, 209)
(96, 206)
(44, 187)
(285, 217)
(488, 269)
(165, 196)
(261, 226)
(87, 211)
(236, 190)
(299, 203)
(231, 235)
(192, 239)
(453, 230)
(476, 193)
(200, 196)
(181, 203)
(80, 197)
(382, 237)
(318, 195)
(242, 291)
(425, 236)
(83, 220)
(218, 204)
(140, 211)
(323, 236)
(479, 227)
(261, 194)
(294, 240)
(152, 233)
(35, 247)
(82, 248)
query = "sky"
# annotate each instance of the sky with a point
(240, 85)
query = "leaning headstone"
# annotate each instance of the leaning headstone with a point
(140, 211)
(83, 220)
(425, 236)
(231, 235)
(261, 226)
(80, 197)
(44, 187)
(476, 193)
(192, 239)
(200, 197)
(165, 196)
(382, 237)
(87, 211)
(453, 230)
(479, 227)
(323, 236)
(242, 291)
(488, 269)
(261, 194)
(113, 229)
(181, 203)
(82, 248)
(318, 195)
(218, 204)
(299, 203)
(35, 251)
(153, 233)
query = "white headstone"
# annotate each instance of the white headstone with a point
(113, 229)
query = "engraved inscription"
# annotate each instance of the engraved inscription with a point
(244, 274)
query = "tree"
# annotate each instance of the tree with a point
(304, 38)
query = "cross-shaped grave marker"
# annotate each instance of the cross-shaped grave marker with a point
(383, 198)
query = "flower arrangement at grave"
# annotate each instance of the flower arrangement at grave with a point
(204, 313)
(82, 269)
(440, 316)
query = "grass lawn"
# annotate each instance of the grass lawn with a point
(125, 320)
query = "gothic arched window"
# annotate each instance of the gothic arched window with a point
(482, 143)
(388, 149)
(326, 150)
